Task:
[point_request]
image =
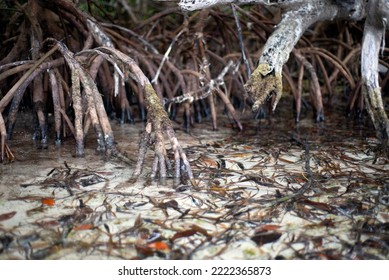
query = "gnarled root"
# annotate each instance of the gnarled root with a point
(159, 124)
(263, 84)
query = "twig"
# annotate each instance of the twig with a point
(241, 44)
(166, 56)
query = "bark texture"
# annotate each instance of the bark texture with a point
(373, 36)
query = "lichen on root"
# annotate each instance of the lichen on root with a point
(264, 83)
(159, 123)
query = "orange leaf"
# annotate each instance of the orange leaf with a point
(83, 227)
(48, 201)
(159, 245)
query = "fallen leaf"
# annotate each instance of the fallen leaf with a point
(143, 251)
(48, 201)
(170, 204)
(285, 160)
(265, 237)
(318, 205)
(159, 245)
(185, 233)
(268, 228)
(201, 230)
(327, 223)
(83, 227)
(47, 224)
(7, 216)
(266, 234)
(208, 162)
(219, 190)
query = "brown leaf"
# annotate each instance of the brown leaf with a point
(144, 251)
(208, 162)
(7, 216)
(219, 190)
(201, 230)
(185, 233)
(268, 228)
(266, 234)
(83, 227)
(318, 205)
(47, 224)
(171, 204)
(327, 223)
(265, 237)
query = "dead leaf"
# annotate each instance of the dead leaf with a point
(266, 234)
(48, 201)
(219, 190)
(83, 227)
(208, 162)
(201, 230)
(170, 204)
(268, 228)
(159, 246)
(7, 216)
(265, 237)
(144, 251)
(185, 233)
(318, 205)
(47, 224)
(327, 223)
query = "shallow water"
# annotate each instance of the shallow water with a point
(276, 190)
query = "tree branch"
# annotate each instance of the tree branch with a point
(266, 80)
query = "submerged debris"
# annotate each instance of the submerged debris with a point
(288, 195)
